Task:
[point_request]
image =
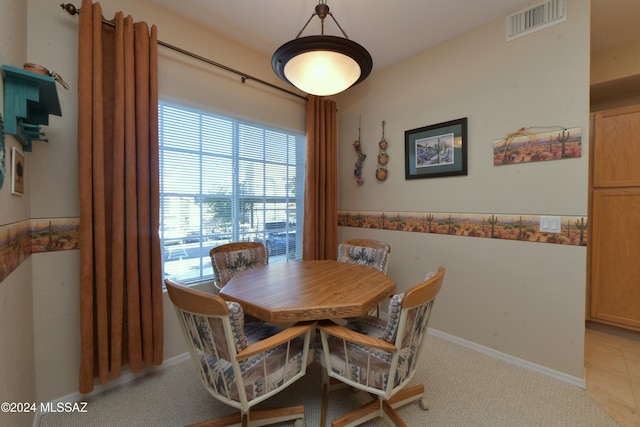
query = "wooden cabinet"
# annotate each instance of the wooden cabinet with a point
(616, 149)
(615, 264)
(615, 218)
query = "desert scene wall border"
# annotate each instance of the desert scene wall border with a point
(525, 228)
(19, 240)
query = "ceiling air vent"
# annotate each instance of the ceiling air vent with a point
(535, 18)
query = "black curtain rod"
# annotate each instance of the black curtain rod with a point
(71, 10)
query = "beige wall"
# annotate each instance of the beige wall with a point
(615, 76)
(616, 62)
(17, 373)
(526, 300)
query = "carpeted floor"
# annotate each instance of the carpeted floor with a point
(464, 388)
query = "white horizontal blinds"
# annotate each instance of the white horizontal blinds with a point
(226, 180)
(251, 178)
(217, 174)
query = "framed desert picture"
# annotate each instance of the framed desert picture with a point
(17, 172)
(525, 146)
(436, 150)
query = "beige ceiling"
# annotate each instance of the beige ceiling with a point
(391, 30)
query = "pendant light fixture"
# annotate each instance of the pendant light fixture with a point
(322, 65)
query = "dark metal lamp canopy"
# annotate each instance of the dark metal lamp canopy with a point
(322, 65)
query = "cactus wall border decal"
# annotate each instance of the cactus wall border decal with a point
(523, 228)
(19, 240)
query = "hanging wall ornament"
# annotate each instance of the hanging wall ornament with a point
(360, 159)
(383, 158)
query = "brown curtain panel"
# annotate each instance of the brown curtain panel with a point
(321, 181)
(120, 258)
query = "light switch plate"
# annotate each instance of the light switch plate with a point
(550, 224)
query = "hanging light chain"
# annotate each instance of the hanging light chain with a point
(305, 25)
(334, 20)
(321, 11)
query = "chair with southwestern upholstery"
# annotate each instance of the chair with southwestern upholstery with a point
(241, 364)
(380, 357)
(231, 258)
(365, 252)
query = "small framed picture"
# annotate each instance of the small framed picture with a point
(436, 150)
(17, 172)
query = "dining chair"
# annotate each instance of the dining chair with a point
(230, 258)
(380, 357)
(366, 252)
(241, 364)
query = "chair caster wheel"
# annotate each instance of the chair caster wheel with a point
(300, 423)
(423, 403)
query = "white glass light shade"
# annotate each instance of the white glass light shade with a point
(322, 65)
(322, 73)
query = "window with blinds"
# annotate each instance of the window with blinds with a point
(225, 180)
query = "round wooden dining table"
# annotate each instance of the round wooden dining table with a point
(308, 290)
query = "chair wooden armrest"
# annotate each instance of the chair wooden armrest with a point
(276, 340)
(355, 337)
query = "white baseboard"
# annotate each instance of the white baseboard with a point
(579, 382)
(123, 379)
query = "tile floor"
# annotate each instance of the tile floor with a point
(612, 373)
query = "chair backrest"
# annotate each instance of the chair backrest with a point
(206, 320)
(415, 310)
(426, 291)
(228, 259)
(365, 252)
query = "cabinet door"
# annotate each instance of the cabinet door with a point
(615, 274)
(617, 147)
